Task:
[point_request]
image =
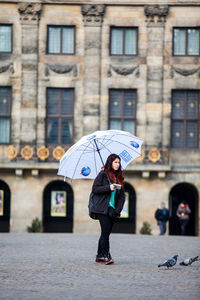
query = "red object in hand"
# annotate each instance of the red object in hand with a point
(186, 205)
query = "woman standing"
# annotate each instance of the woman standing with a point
(109, 189)
(182, 213)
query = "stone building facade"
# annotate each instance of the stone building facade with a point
(162, 71)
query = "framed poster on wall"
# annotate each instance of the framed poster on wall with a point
(1, 202)
(125, 211)
(58, 204)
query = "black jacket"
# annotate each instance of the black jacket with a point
(160, 216)
(101, 189)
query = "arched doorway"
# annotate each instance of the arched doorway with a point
(126, 223)
(58, 207)
(4, 207)
(180, 192)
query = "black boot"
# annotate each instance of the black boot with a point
(99, 259)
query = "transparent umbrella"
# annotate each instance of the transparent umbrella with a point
(86, 158)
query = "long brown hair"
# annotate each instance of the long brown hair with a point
(115, 176)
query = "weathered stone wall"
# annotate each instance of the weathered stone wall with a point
(12, 77)
(173, 79)
(134, 67)
(151, 191)
(27, 197)
(50, 73)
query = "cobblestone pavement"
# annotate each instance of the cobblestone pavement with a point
(61, 266)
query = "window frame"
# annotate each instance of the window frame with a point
(61, 39)
(186, 42)
(59, 116)
(11, 50)
(124, 28)
(8, 116)
(185, 119)
(134, 118)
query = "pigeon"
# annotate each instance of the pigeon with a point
(169, 262)
(189, 261)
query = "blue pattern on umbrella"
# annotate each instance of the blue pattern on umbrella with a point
(134, 144)
(125, 156)
(86, 171)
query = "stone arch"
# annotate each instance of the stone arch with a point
(5, 195)
(58, 204)
(189, 193)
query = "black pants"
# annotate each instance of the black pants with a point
(162, 226)
(183, 224)
(106, 224)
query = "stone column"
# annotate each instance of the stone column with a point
(156, 17)
(29, 16)
(92, 18)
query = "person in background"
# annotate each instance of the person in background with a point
(162, 216)
(182, 213)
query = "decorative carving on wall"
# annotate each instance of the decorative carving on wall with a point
(123, 70)
(92, 44)
(29, 11)
(156, 13)
(11, 152)
(93, 14)
(54, 153)
(58, 153)
(27, 152)
(154, 155)
(8, 67)
(42, 152)
(61, 69)
(183, 72)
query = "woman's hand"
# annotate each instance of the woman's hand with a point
(112, 187)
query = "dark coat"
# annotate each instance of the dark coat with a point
(160, 216)
(183, 212)
(101, 189)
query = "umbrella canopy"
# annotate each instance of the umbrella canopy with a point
(86, 158)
